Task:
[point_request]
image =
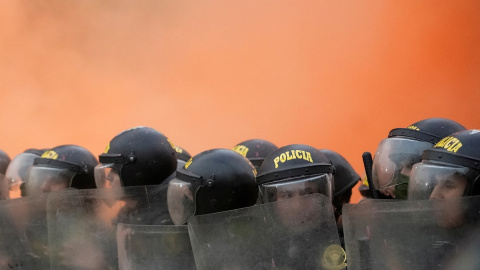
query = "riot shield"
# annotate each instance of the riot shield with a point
(154, 247)
(268, 236)
(23, 234)
(82, 223)
(407, 234)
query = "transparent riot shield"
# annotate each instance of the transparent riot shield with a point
(408, 234)
(298, 233)
(468, 259)
(154, 247)
(82, 223)
(23, 234)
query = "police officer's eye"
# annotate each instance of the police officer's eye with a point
(449, 183)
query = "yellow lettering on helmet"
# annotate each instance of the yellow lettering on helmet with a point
(292, 154)
(241, 149)
(455, 149)
(414, 128)
(298, 153)
(451, 144)
(50, 154)
(441, 143)
(276, 160)
(171, 144)
(178, 149)
(289, 157)
(106, 149)
(187, 164)
(309, 157)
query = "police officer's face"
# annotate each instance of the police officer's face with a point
(53, 184)
(451, 187)
(297, 211)
(449, 213)
(296, 190)
(113, 179)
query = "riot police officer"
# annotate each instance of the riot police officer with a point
(62, 167)
(450, 170)
(396, 155)
(255, 150)
(212, 181)
(136, 158)
(286, 177)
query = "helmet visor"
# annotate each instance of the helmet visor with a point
(296, 187)
(430, 180)
(180, 163)
(394, 159)
(107, 176)
(181, 201)
(17, 170)
(42, 179)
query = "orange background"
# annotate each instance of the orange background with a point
(208, 74)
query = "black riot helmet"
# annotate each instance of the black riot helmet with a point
(136, 157)
(345, 179)
(255, 150)
(295, 170)
(65, 166)
(213, 181)
(182, 156)
(450, 169)
(345, 176)
(403, 148)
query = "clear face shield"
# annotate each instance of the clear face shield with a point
(16, 173)
(44, 179)
(292, 210)
(393, 163)
(296, 187)
(181, 201)
(437, 181)
(109, 184)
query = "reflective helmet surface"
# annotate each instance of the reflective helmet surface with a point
(450, 169)
(345, 176)
(212, 181)
(137, 157)
(65, 166)
(295, 170)
(255, 150)
(396, 155)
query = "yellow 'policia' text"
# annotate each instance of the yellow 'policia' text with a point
(241, 149)
(293, 154)
(451, 144)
